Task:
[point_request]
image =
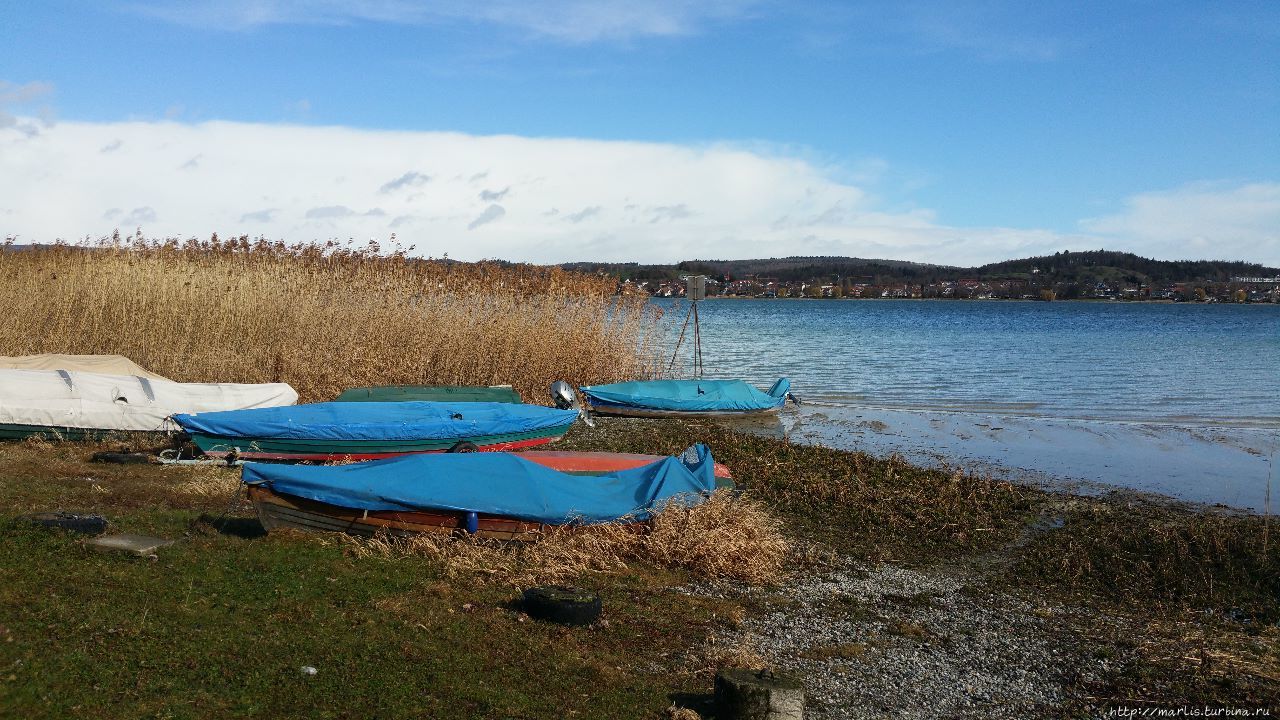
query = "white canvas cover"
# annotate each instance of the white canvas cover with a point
(62, 398)
(104, 364)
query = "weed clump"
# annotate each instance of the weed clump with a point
(724, 538)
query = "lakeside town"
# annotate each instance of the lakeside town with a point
(1237, 289)
(1067, 275)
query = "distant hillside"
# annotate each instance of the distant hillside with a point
(1065, 267)
(1080, 266)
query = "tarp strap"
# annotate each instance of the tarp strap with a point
(146, 387)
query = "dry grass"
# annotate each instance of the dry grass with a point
(1161, 554)
(725, 538)
(322, 318)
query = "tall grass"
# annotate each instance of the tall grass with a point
(322, 317)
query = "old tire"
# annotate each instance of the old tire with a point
(464, 446)
(121, 458)
(564, 605)
(87, 524)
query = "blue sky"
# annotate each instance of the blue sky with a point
(651, 130)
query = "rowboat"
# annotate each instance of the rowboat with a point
(685, 398)
(501, 496)
(75, 404)
(601, 463)
(432, 393)
(373, 430)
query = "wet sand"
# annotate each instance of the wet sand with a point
(1214, 465)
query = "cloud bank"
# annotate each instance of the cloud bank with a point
(542, 200)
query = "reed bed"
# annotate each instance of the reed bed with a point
(322, 317)
(725, 538)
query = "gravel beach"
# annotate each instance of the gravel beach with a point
(877, 641)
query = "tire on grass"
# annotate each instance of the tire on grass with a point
(564, 605)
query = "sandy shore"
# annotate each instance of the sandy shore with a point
(1231, 466)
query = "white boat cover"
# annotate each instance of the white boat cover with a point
(104, 364)
(68, 398)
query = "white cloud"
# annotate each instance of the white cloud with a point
(575, 21)
(568, 199)
(1203, 220)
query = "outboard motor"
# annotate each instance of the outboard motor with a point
(563, 396)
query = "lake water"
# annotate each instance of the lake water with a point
(1179, 399)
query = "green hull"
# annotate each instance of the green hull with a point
(432, 393)
(10, 431)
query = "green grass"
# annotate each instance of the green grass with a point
(220, 625)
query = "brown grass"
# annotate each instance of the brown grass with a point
(725, 538)
(322, 318)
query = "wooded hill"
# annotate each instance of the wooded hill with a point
(1070, 267)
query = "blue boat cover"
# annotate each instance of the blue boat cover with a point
(378, 420)
(690, 395)
(502, 484)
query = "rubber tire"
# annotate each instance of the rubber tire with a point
(563, 605)
(121, 458)
(87, 524)
(464, 446)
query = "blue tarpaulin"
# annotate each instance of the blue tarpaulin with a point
(494, 484)
(378, 420)
(689, 395)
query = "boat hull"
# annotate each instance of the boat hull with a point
(277, 510)
(599, 408)
(290, 449)
(280, 510)
(15, 431)
(599, 463)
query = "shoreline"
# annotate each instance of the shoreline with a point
(1208, 465)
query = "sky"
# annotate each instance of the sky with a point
(956, 132)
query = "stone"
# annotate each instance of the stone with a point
(140, 545)
(745, 694)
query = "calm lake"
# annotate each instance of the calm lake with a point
(1180, 399)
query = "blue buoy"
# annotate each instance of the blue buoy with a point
(473, 523)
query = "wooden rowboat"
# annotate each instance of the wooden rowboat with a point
(280, 510)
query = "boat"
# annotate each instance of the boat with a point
(373, 430)
(100, 364)
(500, 496)
(600, 463)
(73, 404)
(685, 398)
(432, 393)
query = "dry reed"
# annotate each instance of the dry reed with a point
(724, 538)
(322, 318)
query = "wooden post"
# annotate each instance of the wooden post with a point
(743, 694)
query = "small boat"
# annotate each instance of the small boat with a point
(494, 495)
(600, 463)
(432, 393)
(100, 364)
(374, 430)
(74, 404)
(686, 398)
